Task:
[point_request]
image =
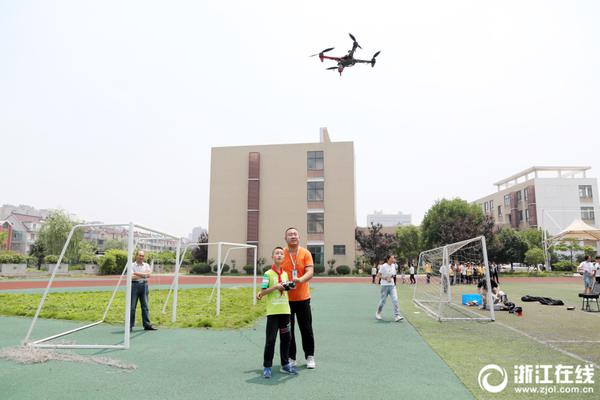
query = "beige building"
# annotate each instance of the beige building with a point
(256, 192)
(550, 198)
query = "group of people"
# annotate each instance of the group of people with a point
(470, 273)
(397, 268)
(591, 273)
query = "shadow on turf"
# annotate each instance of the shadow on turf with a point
(276, 379)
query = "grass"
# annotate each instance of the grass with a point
(468, 346)
(193, 308)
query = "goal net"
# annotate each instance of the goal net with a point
(448, 280)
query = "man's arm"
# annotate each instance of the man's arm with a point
(308, 274)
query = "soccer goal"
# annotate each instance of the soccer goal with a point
(448, 276)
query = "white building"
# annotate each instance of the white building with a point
(544, 197)
(389, 220)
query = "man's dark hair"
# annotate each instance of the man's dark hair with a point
(291, 227)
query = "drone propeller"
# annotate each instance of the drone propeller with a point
(324, 51)
(373, 59)
(354, 40)
(332, 68)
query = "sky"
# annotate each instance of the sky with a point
(109, 109)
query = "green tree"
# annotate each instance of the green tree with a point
(54, 233)
(375, 244)
(3, 240)
(534, 256)
(38, 252)
(507, 246)
(200, 253)
(571, 246)
(409, 242)
(450, 221)
(533, 237)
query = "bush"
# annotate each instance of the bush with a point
(234, 271)
(87, 259)
(120, 257)
(200, 268)
(563, 266)
(224, 268)
(11, 257)
(343, 270)
(265, 268)
(108, 265)
(331, 271)
(250, 269)
(76, 267)
(319, 269)
(51, 259)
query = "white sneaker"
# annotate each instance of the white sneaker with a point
(398, 318)
(292, 362)
(377, 315)
(310, 362)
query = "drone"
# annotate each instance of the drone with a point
(348, 60)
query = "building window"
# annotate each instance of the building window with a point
(499, 211)
(510, 218)
(507, 200)
(526, 214)
(316, 222)
(485, 206)
(519, 196)
(339, 250)
(315, 191)
(525, 194)
(491, 206)
(587, 213)
(585, 191)
(315, 160)
(317, 254)
(520, 215)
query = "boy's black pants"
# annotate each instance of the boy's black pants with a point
(277, 323)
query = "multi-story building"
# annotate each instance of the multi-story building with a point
(388, 220)
(24, 231)
(550, 198)
(256, 192)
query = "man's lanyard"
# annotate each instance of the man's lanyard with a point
(294, 270)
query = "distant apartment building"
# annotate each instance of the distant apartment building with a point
(23, 230)
(256, 192)
(544, 197)
(388, 220)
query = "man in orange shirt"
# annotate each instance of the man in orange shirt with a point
(298, 264)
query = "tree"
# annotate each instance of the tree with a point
(571, 246)
(331, 262)
(534, 256)
(200, 253)
(409, 242)
(38, 252)
(54, 233)
(507, 246)
(114, 244)
(533, 237)
(375, 245)
(450, 221)
(3, 240)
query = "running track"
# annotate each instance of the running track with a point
(209, 280)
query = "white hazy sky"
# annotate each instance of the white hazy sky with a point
(109, 109)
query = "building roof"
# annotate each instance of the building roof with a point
(561, 172)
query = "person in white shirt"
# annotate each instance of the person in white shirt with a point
(411, 272)
(373, 272)
(587, 268)
(139, 290)
(386, 273)
(597, 267)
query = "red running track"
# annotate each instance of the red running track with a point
(157, 280)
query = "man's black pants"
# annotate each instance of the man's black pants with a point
(301, 311)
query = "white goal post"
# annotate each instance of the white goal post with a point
(131, 245)
(440, 285)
